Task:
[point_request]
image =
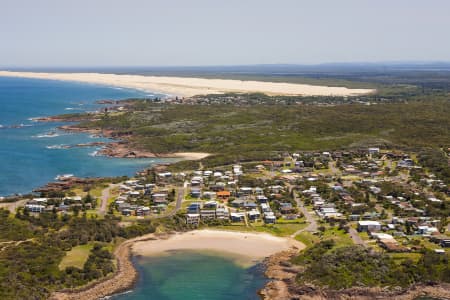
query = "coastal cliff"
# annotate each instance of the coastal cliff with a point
(283, 286)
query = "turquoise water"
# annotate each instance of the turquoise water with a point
(28, 157)
(185, 275)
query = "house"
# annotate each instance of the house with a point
(262, 199)
(391, 245)
(369, 226)
(220, 186)
(442, 240)
(223, 195)
(269, 218)
(237, 217)
(237, 203)
(253, 215)
(259, 191)
(210, 205)
(38, 201)
(426, 230)
(237, 170)
(276, 189)
(36, 208)
(218, 174)
(222, 213)
(209, 195)
(196, 192)
(245, 190)
(196, 181)
(143, 211)
(127, 212)
(208, 214)
(249, 205)
(354, 217)
(193, 219)
(194, 208)
(160, 198)
(286, 208)
(265, 207)
(374, 150)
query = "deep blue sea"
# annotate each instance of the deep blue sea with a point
(185, 275)
(29, 157)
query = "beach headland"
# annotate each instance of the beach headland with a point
(246, 248)
(188, 87)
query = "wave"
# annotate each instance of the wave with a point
(118, 294)
(95, 153)
(61, 146)
(15, 126)
(47, 135)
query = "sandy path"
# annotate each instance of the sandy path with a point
(184, 86)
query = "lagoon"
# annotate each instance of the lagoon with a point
(194, 275)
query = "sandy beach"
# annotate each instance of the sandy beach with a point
(246, 247)
(188, 87)
(189, 155)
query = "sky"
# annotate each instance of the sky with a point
(84, 33)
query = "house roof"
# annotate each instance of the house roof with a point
(223, 193)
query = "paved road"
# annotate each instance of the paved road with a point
(312, 226)
(355, 237)
(334, 170)
(106, 194)
(180, 197)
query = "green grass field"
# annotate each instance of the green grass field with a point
(341, 238)
(76, 257)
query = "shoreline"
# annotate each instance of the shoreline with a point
(120, 148)
(126, 273)
(193, 86)
(280, 272)
(282, 286)
(247, 248)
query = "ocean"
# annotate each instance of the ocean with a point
(30, 153)
(187, 275)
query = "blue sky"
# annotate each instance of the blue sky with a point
(218, 32)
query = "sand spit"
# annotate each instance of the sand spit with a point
(187, 87)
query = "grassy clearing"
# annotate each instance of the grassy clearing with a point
(341, 238)
(76, 257)
(400, 257)
(279, 229)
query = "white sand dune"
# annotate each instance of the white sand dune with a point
(187, 87)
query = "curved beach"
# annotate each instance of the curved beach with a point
(188, 86)
(247, 248)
